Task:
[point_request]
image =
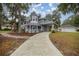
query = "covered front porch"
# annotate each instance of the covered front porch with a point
(37, 28)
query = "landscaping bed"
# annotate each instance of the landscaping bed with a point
(66, 42)
(8, 45)
(22, 34)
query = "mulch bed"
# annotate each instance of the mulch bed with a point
(22, 34)
(8, 45)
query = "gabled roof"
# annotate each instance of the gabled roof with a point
(33, 13)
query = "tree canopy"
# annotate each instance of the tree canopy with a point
(66, 8)
(56, 18)
(16, 10)
(69, 7)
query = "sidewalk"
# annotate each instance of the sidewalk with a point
(37, 45)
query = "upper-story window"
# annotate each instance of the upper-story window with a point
(24, 22)
(36, 19)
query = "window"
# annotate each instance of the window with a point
(33, 19)
(24, 22)
(36, 19)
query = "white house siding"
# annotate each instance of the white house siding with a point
(34, 23)
(68, 29)
(26, 29)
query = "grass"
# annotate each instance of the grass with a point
(66, 42)
(4, 31)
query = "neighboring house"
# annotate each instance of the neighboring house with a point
(4, 26)
(67, 28)
(34, 24)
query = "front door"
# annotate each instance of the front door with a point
(44, 28)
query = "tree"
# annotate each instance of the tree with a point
(76, 20)
(56, 19)
(66, 8)
(70, 20)
(48, 17)
(1, 15)
(16, 9)
(69, 7)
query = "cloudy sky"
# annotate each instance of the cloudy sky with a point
(45, 8)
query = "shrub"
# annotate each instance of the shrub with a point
(6, 29)
(53, 31)
(23, 30)
(77, 30)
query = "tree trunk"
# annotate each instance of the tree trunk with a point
(12, 24)
(0, 27)
(0, 24)
(19, 23)
(19, 26)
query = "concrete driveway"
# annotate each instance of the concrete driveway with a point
(37, 45)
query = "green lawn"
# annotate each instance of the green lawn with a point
(66, 42)
(5, 31)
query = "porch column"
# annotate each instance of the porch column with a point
(29, 28)
(36, 28)
(47, 28)
(32, 29)
(41, 28)
(26, 29)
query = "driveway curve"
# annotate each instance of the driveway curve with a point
(37, 45)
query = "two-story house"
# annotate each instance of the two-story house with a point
(34, 24)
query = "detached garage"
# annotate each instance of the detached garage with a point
(68, 28)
